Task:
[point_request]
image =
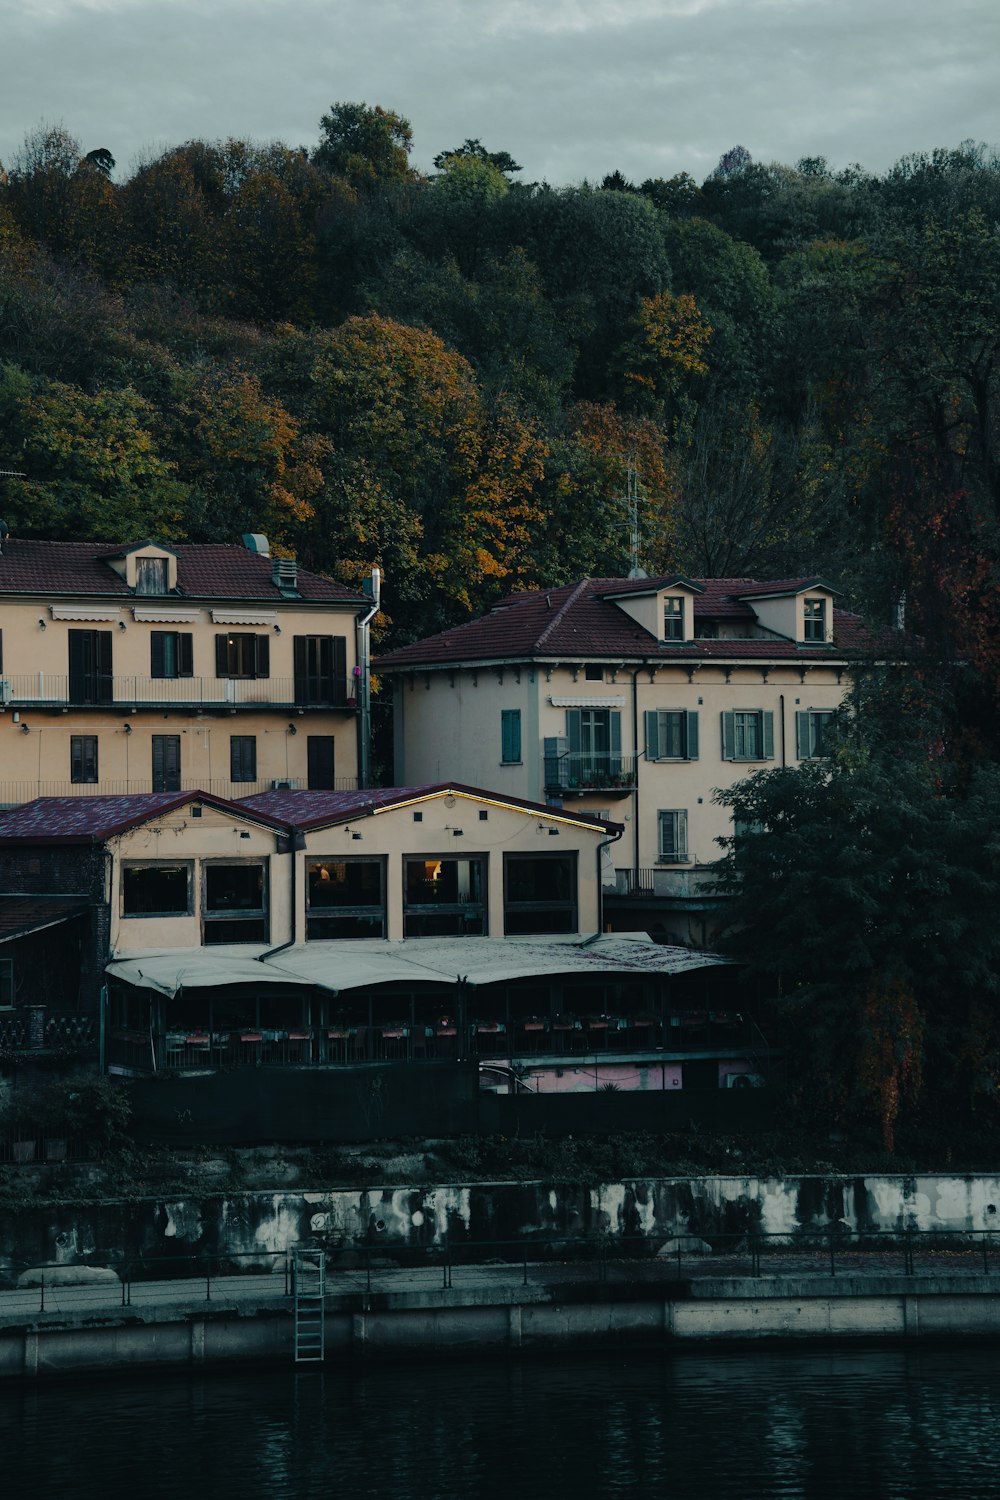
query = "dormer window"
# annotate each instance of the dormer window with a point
(151, 575)
(673, 619)
(814, 620)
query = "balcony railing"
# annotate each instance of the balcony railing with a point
(695, 882)
(14, 793)
(596, 771)
(59, 690)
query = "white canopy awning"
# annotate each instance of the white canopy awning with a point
(363, 962)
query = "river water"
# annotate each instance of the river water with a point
(893, 1425)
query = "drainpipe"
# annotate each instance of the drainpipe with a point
(781, 702)
(296, 841)
(635, 794)
(374, 589)
(604, 844)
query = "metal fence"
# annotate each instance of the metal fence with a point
(59, 689)
(532, 1259)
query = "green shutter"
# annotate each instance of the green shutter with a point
(222, 656)
(652, 735)
(262, 655)
(767, 724)
(185, 654)
(510, 735)
(615, 736)
(728, 735)
(573, 730)
(803, 747)
(692, 736)
(682, 833)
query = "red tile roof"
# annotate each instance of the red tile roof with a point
(23, 914)
(211, 571)
(312, 809)
(578, 621)
(93, 820)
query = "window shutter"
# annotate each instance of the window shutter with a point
(803, 748)
(652, 735)
(156, 653)
(615, 735)
(222, 656)
(692, 736)
(339, 669)
(729, 735)
(767, 725)
(573, 730)
(263, 656)
(682, 833)
(300, 669)
(510, 735)
(185, 654)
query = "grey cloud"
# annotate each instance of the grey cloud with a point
(573, 89)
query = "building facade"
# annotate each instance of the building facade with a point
(147, 668)
(428, 924)
(631, 699)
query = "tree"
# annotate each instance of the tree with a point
(94, 472)
(501, 160)
(862, 887)
(666, 350)
(367, 147)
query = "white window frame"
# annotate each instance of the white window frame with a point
(672, 851)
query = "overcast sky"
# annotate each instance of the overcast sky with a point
(573, 88)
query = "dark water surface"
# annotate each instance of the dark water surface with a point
(764, 1424)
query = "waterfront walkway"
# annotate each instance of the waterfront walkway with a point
(781, 1273)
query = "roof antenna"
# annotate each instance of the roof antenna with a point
(632, 506)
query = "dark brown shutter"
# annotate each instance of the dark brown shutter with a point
(185, 654)
(222, 656)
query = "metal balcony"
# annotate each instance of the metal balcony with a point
(60, 690)
(611, 774)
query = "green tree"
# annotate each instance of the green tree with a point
(92, 464)
(365, 146)
(476, 151)
(862, 887)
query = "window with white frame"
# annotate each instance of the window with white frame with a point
(672, 840)
(814, 620)
(671, 734)
(748, 734)
(812, 728)
(673, 619)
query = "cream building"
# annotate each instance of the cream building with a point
(632, 699)
(148, 668)
(424, 924)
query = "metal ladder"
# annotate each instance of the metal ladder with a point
(308, 1296)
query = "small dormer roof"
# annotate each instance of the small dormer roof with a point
(787, 588)
(655, 586)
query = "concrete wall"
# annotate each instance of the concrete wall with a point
(399, 1218)
(511, 1320)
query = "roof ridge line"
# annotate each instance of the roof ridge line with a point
(570, 599)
